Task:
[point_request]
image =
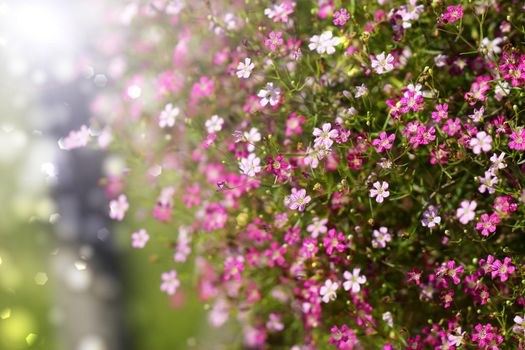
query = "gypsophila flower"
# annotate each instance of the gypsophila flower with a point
(269, 95)
(139, 239)
(324, 43)
(466, 212)
(298, 199)
(482, 142)
(328, 291)
(317, 226)
(381, 237)
(244, 69)
(361, 90)
(214, 124)
(431, 217)
(381, 63)
(170, 282)
(168, 116)
(379, 191)
(250, 165)
(353, 280)
(325, 136)
(118, 208)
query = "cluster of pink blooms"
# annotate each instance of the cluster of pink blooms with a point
(342, 175)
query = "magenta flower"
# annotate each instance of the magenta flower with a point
(488, 223)
(340, 17)
(484, 335)
(384, 142)
(274, 40)
(440, 113)
(298, 199)
(334, 241)
(447, 297)
(502, 269)
(233, 266)
(453, 14)
(275, 254)
(517, 140)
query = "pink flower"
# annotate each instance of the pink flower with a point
(502, 269)
(324, 137)
(118, 208)
(233, 266)
(274, 40)
(488, 223)
(204, 87)
(384, 142)
(275, 254)
(447, 297)
(379, 191)
(170, 282)
(76, 139)
(484, 335)
(414, 276)
(317, 226)
(293, 124)
(440, 113)
(139, 239)
(382, 63)
(482, 142)
(453, 14)
(309, 248)
(298, 199)
(518, 140)
(340, 17)
(466, 212)
(334, 241)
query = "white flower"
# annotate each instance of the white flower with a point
(482, 142)
(324, 43)
(253, 136)
(361, 90)
(244, 69)
(353, 280)
(269, 95)
(381, 237)
(387, 317)
(456, 339)
(440, 60)
(325, 136)
(519, 326)
(491, 46)
(328, 291)
(497, 162)
(168, 116)
(466, 212)
(214, 124)
(380, 191)
(118, 207)
(251, 165)
(382, 64)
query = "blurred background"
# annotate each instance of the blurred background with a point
(68, 279)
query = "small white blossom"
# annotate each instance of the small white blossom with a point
(244, 69)
(379, 191)
(328, 291)
(168, 116)
(269, 95)
(325, 42)
(382, 64)
(214, 124)
(466, 212)
(482, 142)
(354, 280)
(250, 165)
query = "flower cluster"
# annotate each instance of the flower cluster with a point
(342, 175)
